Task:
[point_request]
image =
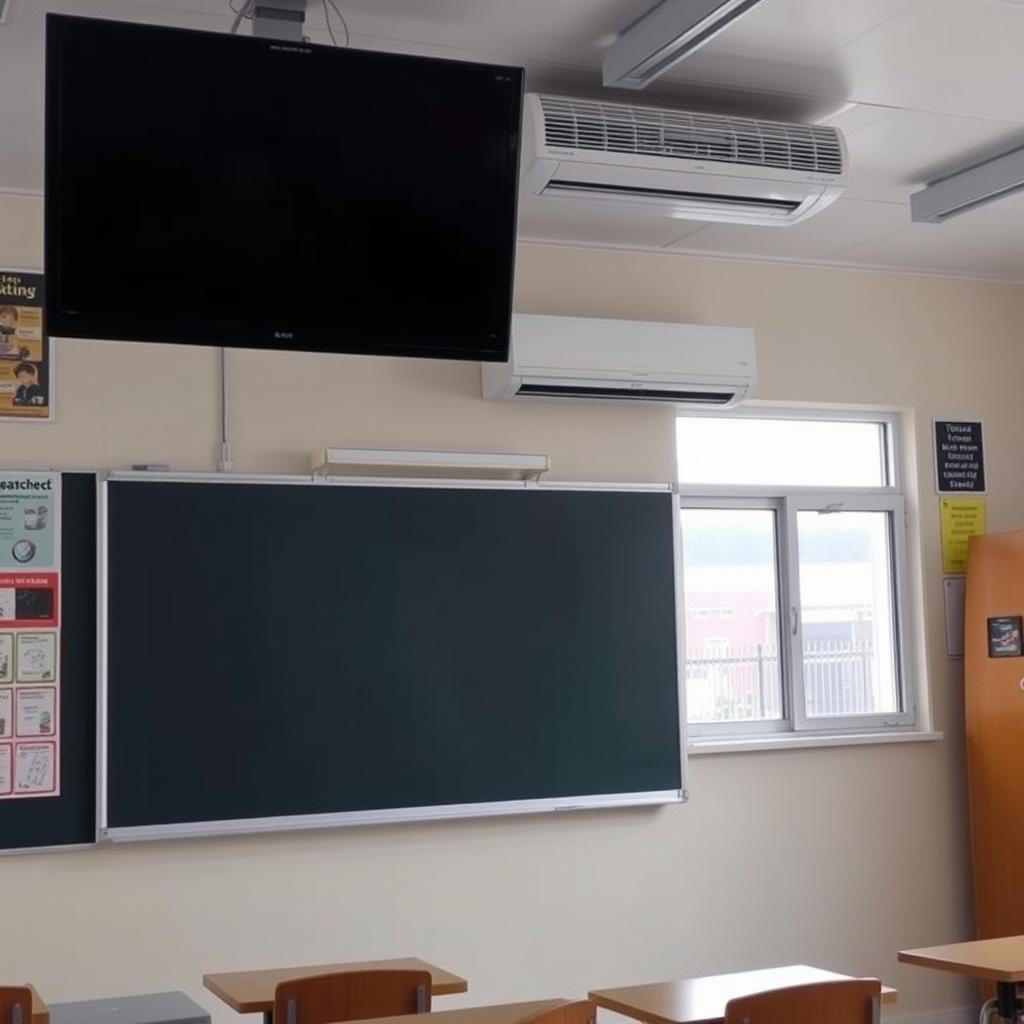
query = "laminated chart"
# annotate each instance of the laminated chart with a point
(30, 506)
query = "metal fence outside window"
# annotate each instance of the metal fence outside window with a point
(743, 684)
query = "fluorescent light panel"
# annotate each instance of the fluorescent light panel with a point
(968, 189)
(664, 36)
(391, 463)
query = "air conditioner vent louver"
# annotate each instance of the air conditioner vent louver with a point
(677, 396)
(651, 131)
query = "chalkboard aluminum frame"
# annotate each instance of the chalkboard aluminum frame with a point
(392, 815)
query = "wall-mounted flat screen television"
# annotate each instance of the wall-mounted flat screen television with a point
(219, 189)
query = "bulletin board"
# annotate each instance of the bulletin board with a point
(47, 660)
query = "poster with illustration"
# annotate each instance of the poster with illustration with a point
(6, 713)
(1006, 636)
(6, 658)
(29, 600)
(29, 520)
(26, 364)
(37, 658)
(36, 711)
(35, 769)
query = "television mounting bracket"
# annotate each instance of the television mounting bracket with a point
(279, 19)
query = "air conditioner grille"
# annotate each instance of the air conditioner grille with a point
(752, 204)
(654, 131)
(637, 394)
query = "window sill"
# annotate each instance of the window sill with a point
(790, 741)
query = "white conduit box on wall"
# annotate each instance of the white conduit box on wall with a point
(633, 360)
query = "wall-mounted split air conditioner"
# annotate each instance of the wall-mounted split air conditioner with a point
(573, 357)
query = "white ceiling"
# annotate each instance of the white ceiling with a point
(920, 87)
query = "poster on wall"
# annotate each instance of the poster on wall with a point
(26, 363)
(959, 457)
(29, 635)
(29, 506)
(960, 519)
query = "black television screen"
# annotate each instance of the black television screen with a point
(227, 190)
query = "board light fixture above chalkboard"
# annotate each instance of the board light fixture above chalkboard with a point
(387, 462)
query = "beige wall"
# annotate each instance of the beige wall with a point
(837, 857)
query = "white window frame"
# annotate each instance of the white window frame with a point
(785, 502)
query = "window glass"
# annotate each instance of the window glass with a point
(733, 666)
(847, 614)
(781, 452)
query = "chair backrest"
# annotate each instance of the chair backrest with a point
(15, 1004)
(854, 1001)
(582, 1012)
(351, 995)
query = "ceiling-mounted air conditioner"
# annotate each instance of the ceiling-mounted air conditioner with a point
(688, 165)
(631, 360)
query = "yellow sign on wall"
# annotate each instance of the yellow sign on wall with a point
(961, 519)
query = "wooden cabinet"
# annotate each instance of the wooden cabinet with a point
(994, 718)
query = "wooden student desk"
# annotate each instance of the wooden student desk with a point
(703, 1000)
(502, 1013)
(998, 960)
(40, 1011)
(253, 991)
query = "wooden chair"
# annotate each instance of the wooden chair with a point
(351, 995)
(582, 1012)
(857, 1001)
(16, 1005)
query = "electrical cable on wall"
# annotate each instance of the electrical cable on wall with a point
(341, 18)
(224, 463)
(245, 11)
(327, 20)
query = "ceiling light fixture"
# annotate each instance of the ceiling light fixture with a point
(968, 189)
(664, 36)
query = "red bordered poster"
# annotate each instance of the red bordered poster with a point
(29, 600)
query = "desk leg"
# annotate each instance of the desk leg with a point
(1008, 1005)
(268, 1017)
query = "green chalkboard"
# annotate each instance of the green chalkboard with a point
(286, 650)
